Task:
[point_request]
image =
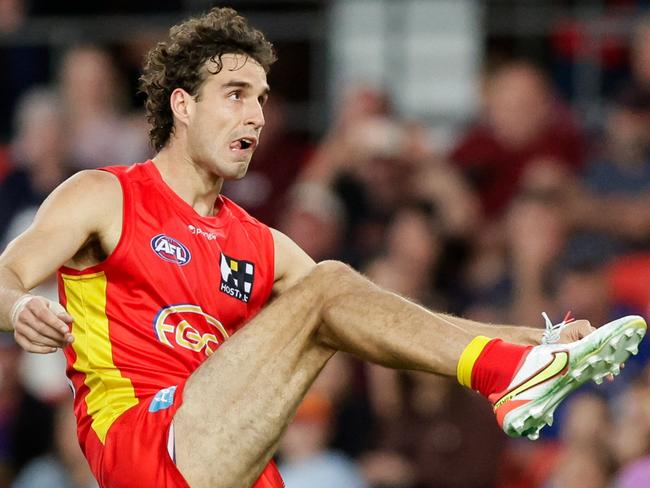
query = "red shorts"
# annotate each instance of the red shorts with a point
(139, 448)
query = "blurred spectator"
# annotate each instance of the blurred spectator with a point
(306, 461)
(315, 219)
(413, 248)
(613, 203)
(376, 162)
(65, 466)
(457, 207)
(536, 230)
(522, 121)
(640, 55)
(584, 449)
(420, 434)
(24, 64)
(624, 168)
(586, 467)
(40, 154)
(582, 282)
(630, 439)
(12, 15)
(95, 102)
(357, 105)
(587, 423)
(9, 403)
(25, 422)
(437, 440)
(361, 160)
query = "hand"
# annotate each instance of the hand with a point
(575, 331)
(41, 325)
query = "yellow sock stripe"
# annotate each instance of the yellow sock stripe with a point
(467, 359)
(110, 394)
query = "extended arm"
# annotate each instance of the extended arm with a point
(80, 210)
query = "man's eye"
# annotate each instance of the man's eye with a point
(234, 96)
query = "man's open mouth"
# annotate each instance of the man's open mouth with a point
(243, 144)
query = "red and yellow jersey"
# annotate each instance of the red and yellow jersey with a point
(175, 287)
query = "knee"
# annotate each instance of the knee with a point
(331, 275)
(327, 280)
(332, 269)
(333, 279)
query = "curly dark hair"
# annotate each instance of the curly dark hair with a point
(178, 62)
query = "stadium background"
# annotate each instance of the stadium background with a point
(489, 159)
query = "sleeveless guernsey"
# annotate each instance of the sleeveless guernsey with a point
(176, 287)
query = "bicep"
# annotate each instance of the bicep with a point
(291, 262)
(62, 225)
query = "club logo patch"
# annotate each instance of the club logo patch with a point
(237, 278)
(170, 250)
(188, 326)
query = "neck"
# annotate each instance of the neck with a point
(193, 183)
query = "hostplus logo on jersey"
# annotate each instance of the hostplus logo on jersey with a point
(237, 277)
(171, 250)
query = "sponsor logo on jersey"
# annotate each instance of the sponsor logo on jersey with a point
(236, 277)
(197, 231)
(182, 325)
(170, 249)
(163, 399)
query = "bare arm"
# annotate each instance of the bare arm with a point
(81, 209)
(291, 262)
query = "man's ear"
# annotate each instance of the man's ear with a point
(182, 105)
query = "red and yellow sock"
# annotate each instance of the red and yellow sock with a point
(488, 365)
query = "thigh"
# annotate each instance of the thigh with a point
(239, 402)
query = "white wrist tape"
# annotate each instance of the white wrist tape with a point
(18, 307)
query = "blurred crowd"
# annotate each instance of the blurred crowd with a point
(525, 210)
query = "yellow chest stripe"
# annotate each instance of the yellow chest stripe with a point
(110, 394)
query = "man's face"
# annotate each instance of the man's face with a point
(225, 120)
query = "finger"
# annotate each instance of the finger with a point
(29, 321)
(29, 347)
(33, 336)
(41, 327)
(46, 316)
(60, 312)
(65, 317)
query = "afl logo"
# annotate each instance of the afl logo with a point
(171, 250)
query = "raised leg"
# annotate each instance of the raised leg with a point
(240, 401)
